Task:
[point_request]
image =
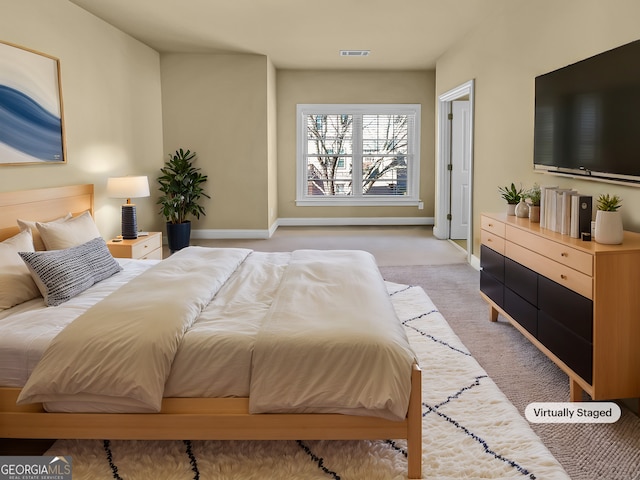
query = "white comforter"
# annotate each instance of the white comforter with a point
(324, 337)
(331, 341)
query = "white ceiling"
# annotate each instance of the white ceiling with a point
(302, 34)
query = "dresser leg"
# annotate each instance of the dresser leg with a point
(575, 391)
(493, 314)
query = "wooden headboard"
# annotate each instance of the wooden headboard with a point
(42, 205)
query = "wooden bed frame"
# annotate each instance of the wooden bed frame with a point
(183, 418)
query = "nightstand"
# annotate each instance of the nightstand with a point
(142, 248)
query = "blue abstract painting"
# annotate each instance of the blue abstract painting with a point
(31, 121)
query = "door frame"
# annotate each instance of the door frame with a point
(441, 228)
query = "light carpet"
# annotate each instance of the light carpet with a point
(470, 430)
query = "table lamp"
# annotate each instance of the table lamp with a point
(128, 187)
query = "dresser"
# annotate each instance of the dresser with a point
(577, 301)
(142, 248)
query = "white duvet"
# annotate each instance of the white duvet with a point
(331, 341)
(317, 334)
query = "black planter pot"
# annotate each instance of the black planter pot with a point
(178, 235)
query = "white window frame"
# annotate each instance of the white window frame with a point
(412, 197)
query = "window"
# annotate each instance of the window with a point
(358, 155)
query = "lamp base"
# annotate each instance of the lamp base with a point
(129, 222)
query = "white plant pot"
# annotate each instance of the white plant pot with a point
(511, 208)
(522, 209)
(609, 228)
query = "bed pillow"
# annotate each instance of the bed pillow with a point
(73, 232)
(16, 283)
(62, 274)
(31, 225)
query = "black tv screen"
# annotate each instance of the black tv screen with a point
(587, 117)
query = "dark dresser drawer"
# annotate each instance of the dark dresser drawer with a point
(521, 311)
(567, 307)
(492, 262)
(572, 349)
(521, 280)
(492, 288)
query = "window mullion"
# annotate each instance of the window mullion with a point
(357, 156)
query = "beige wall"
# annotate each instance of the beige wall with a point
(112, 109)
(504, 56)
(295, 86)
(217, 106)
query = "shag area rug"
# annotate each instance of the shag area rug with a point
(470, 430)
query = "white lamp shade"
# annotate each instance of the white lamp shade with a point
(128, 187)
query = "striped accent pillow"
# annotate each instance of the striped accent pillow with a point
(62, 274)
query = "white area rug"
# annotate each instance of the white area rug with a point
(470, 430)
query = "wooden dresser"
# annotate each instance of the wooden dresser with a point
(577, 301)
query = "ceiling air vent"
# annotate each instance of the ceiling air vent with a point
(354, 53)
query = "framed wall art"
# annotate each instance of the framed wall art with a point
(31, 115)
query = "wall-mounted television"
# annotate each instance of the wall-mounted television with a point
(587, 117)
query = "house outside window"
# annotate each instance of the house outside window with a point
(358, 155)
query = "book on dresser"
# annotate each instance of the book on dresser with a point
(581, 214)
(566, 211)
(544, 202)
(558, 206)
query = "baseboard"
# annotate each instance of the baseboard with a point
(475, 262)
(228, 234)
(224, 234)
(354, 221)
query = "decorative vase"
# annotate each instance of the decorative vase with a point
(511, 208)
(522, 209)
(534, 213)
(609, 227)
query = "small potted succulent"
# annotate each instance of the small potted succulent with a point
(512, 196)
(609, 220)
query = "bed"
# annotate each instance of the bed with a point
(189, 417)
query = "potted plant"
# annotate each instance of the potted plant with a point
(608, 220)
(533, 198)
(181, 187)
(512, 196)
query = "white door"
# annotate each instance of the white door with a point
(460, 169)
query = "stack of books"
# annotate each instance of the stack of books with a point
(565, 211)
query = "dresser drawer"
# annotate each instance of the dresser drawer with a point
(492, 241)
(492, 288)
(143, 248)
(493, 226)
(567, 307)
(492, 262)
(559, 273)
(521, 280)
(521, 311)
(564, 254)
(572, 349)
(153, 255)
